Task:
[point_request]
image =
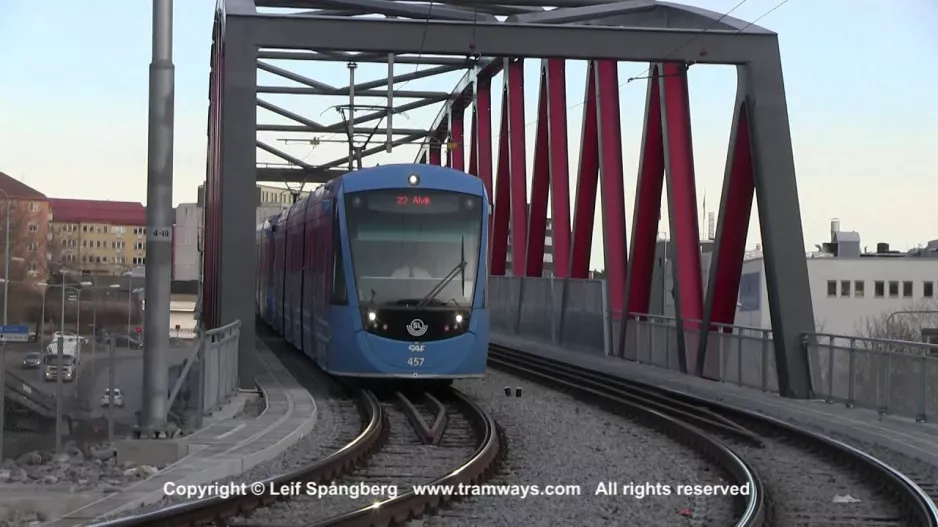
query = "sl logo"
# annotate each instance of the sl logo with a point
(417, 328)
(416, 347)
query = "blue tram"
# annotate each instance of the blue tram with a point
(382, 273)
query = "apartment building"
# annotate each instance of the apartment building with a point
(98, 237)
(29, 229)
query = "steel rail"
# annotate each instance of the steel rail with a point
(922, 510)
(753, 510)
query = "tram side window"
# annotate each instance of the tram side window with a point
(339, 293)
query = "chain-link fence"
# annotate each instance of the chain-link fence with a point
(95, 387)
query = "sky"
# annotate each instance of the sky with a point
(859, 79)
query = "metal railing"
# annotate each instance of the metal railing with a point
(202, 378)
(208, 378)
(889, 376)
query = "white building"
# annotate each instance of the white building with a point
(186, 232)
(849, 288)
(188, 227)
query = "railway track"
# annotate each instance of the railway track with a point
(440, 438)
(806, 478)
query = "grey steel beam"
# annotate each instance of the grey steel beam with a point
(283, 155)
(407, 94)
(786, 269)
(297, 175)
(238, 188)
(375, 58)
(401, 9)
(299, 128)
(459, 99)
(404, 77)
(570, 15)
(374, 150)
(340, 127)
(515, 40)
(295, 77)
(311, 124)
(321, 88)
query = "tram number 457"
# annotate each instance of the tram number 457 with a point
(415, 361)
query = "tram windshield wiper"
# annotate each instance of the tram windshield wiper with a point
(461, 266)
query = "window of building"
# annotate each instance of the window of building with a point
(33, 227)
(879, 288)
(32, 267)
(84, 228)
(928, 289)
(832, 288)
(33, 206)
(32, 246)
(139, 246)
(845, 288)
(84, 243)
(893, 288)
(105, 229)
(858, 287)
(907, 289)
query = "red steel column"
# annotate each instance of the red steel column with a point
(540, 184)
(559, 167)
(587, 179)
(610, 167)
(435, 153)
(454, 155)
(514, 88)
(502, 200)
(732, 229)
(647, 203)
(682, 205)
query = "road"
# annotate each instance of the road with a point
(128, 378)
(15, 353)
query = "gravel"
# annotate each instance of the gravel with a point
(338, 422)
(805, 485)
(554, 439)
(922, 473)
(94, 468)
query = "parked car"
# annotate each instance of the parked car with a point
(32, 361)
(118, 398)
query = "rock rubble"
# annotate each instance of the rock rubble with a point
(92, 468)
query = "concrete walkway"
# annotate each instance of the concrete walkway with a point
(225, 447)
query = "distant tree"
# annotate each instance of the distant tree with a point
(906, 325)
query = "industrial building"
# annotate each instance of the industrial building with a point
(850, 286)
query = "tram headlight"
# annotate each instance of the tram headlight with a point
(413, 180)
(372, 316)
(458, 318)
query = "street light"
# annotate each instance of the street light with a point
(58, 368)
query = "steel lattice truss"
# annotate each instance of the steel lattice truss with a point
(483, 39)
